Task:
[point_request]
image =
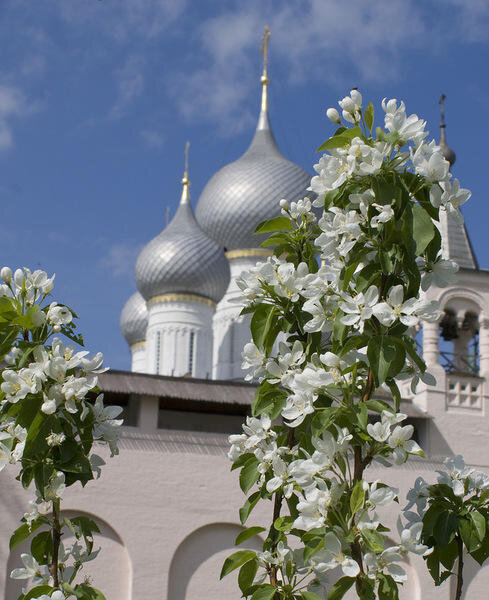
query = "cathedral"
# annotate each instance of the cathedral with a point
(167, 506)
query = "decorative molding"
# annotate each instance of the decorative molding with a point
(181, 298)
(138, 346)
(248, 253)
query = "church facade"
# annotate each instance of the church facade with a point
(167, 506)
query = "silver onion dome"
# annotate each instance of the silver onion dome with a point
(182, 259)
(248, 190)
(134, 319)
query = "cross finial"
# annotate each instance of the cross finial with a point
(264, 77)
(185, 181)
(187, 146)
(442, 119)
(264, 48)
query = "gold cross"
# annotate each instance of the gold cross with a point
(264, 49)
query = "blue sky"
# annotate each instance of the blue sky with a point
(97, 99)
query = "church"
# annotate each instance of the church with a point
(167, 506)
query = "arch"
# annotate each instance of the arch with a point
(195, 551)
(463, 295)
(476, 579)
(111, 571)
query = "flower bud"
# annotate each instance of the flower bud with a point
(333, 115)
(19, 277)
(284, 204)
(6, 274)
(347, 104)
(348, 117)
(357, 98)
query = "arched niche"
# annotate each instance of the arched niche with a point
(110, 571)
(197, 562)
(476, 579)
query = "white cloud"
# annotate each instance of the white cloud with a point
(120, 259)
(317, 40)
(12, 104)
(123, 19)
(130, 83)
(152, 138)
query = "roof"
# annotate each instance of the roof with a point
(456, 242)
(237, 393)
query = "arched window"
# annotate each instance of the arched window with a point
(196, 564)
(110, 571)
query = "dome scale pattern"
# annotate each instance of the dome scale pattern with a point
(134, 319)
(182, 259)
(248, 191)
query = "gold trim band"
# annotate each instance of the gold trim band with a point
(138, 346)
(248, 253)
(182, 298)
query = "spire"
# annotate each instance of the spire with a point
(263, 123)
(264, 76)
(455, 239)
(447, 152)
(263, 141)
(185, 199)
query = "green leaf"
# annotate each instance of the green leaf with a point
(310, 596)
(262, 321)
(264, 592)
(284, 523)
(340, 588)
(369, 116)
(357, 497)
(40, 428)
(249, 475)
(247, 534)
(469, 535)
(248, 506)
(479, 523)
(374, 540)
(387, 588)
(236, 560)
(423, 228)
(275, 224)
(23, 532)
(445, 528)
(378, 406)
(386, 355)
(86, 592)
(42, 547)
(38, 591)
(340, 140)
(269, 399)
(246, 575)
(312, 546)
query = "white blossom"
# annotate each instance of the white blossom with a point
(395, 308)
(359, 308)
(440, 273)
(332, 556)
(450, 197)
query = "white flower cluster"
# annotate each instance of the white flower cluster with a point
(361, 158)
(32, 288)
(62, 374)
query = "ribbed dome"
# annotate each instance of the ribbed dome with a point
(248, 191)
(182, 259)
(134, 319)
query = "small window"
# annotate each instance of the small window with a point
(158, 352)
(191, 349)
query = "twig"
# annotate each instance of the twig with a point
(460, 568)
(53, 568)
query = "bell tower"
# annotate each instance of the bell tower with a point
(456, 348)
